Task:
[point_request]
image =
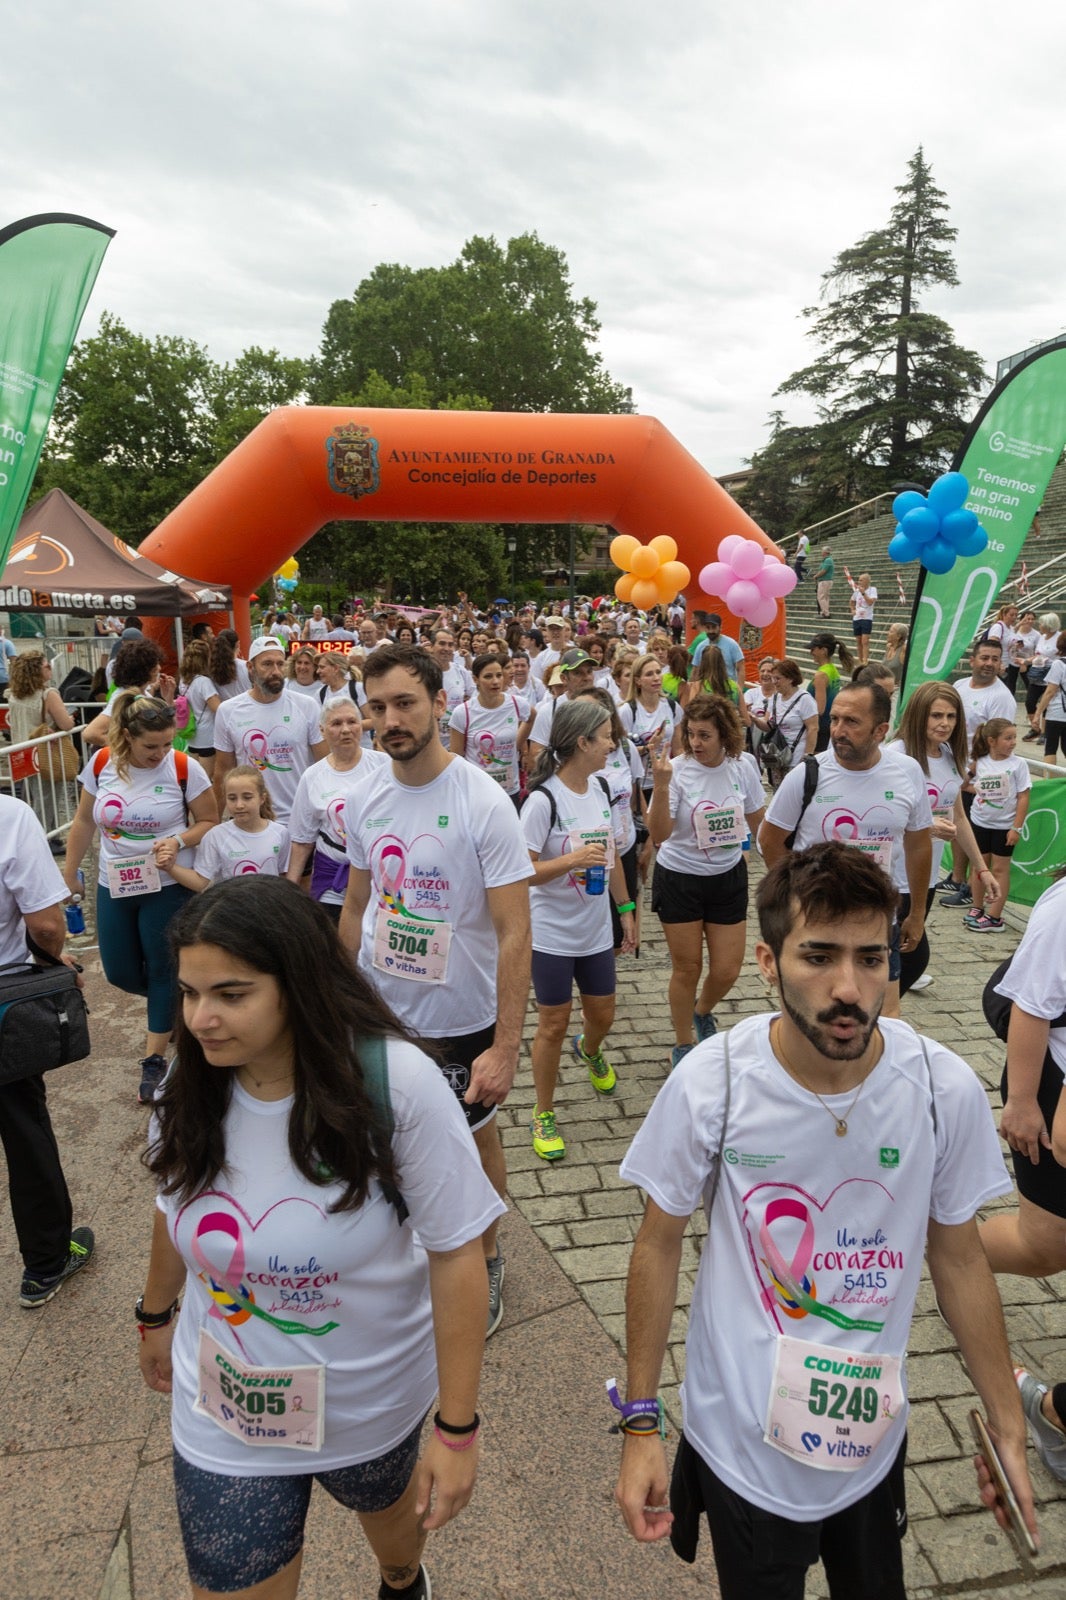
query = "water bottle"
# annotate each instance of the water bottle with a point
(75, 915)
(595, 879)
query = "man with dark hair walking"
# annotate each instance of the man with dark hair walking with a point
(831, 1149)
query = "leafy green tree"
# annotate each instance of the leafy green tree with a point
(139, 422)
(892, 387)
(500, 323)
(257, 383)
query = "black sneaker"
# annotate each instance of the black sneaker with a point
(419, 1589)
(963, 896)
(38, 1291)
(153, 1071)
(947, 884)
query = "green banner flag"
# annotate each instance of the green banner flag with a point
(48, 266)
(1007, 458)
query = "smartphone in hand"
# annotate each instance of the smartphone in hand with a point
(983, 1439)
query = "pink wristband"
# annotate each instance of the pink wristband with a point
(450, 1444)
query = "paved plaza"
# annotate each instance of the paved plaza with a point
(84, 1446)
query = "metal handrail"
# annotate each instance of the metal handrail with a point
(841, 516)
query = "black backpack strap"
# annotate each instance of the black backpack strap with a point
(373, 1059)
(811, 773)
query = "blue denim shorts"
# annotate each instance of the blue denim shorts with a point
(241, 1531)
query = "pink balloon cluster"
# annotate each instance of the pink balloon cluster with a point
(748, 579)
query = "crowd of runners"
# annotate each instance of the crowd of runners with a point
(356, 853)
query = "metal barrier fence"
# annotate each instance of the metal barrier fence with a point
(33, 771)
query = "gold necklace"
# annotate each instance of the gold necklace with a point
(841, 1122)
(263, 1083)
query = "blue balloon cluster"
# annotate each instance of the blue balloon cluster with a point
(286, 585)
(936, 529)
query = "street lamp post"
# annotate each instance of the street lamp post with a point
(511, 546)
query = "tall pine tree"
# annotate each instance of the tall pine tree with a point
(893, 388)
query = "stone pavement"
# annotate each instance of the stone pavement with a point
(84, 1447)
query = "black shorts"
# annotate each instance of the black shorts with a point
(1045, 1184)
(201, 749)
(455, 1057)
(721, 899)
(761, 1556)
(863, 625)
(1054, 737)
(991, 841)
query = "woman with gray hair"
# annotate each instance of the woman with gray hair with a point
(316, 825)
(570, 836)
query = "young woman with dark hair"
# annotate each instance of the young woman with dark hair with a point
(298, 1125)
(704, 805)
(228, 672)
(827, 681)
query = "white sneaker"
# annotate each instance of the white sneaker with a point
(921, 983)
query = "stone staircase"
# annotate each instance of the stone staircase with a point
(865, 549)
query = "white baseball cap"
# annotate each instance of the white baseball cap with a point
(267, 642)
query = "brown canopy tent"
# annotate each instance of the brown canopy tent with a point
(64, 561)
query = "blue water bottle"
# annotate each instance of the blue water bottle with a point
(595, 879)
(75, 915)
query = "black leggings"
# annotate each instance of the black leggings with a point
(913, 963)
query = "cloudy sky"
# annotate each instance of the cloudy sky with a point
(699, 164)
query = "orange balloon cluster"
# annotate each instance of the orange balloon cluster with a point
(651, 573)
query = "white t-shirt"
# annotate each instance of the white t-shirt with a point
(642, 725)
(871, 810)
(433, 851)
(943, 782)
(198, 693)
(1026, 645)
(240, 685)
(998, 785)
(318, 811)
(533, 690)
(541, 731)
(1036, 980)
(360, 1275)
(620, 773)
(1056, 676)
(294, 686)
(317, 628)
(540, 665)
(757, 701)
(491, 736)
(1006, 636)
(132, 813)
(864, 603)
(850, 1218)
(231, 852)
(698, 791)
(567, 921)
(276, 736)
(29, 878)
(981, 703)
(790, 713)
(458, 684)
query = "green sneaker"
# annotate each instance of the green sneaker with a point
(546, 1141)
(601, 1073)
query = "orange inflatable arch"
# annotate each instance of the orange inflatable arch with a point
(304, 466)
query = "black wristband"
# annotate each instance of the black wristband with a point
(154, 1319)
(448, 1427)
